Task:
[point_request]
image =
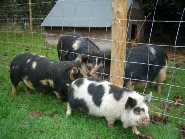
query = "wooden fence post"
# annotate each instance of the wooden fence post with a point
(30, 10)
(119, 27)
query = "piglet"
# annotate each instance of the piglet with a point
(103, 99)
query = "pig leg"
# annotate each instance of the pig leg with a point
(95, 69)
(15, 81)
(56, 93)
(135, 130)
(110, 121)
(14, 89)
(26, 89)
(65, 103)
(68, 112)
(161, 77)
(130, 85)
(59, 97)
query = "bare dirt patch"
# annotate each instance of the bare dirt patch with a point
(177, 54)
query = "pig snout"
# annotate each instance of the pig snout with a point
(144, 120)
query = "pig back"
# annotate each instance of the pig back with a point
(97, 97)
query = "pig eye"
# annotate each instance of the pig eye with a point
(139, 110)
(136, 112)
(142, 110)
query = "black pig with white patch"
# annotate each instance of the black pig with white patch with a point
(143, 63)
(103, 99)
(71, 44)
(43, 74)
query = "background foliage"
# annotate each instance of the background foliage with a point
(168, 12)
(18, 11)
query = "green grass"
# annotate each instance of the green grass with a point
(16, 122)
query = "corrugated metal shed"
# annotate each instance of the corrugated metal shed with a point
(80, 13)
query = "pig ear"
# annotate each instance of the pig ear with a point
(83, 67)
(78, 58)
(108, 54)
(73, 71)
(94, 51)
(148, 98)
(84, 73)
(92, 73)
(130, 103)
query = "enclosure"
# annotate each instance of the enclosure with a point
(42, 115)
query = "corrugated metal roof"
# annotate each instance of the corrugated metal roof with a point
(80, 13)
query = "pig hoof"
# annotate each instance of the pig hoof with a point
(28, 93)
(111, 126)
(65, 103)
(137, 135)
(67, 114)
(157, 90)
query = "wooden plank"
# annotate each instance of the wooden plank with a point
(119, 27)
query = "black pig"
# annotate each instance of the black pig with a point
(43, 74)
(143, 63)
(71, 44)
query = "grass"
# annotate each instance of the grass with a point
(16, 121)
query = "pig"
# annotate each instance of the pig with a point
(71, 44)
(43, 74)
(103, 99)
(143, 64)
(100, 66)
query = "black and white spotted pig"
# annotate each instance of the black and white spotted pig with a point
(143, 63)
(103, 99)
(71, 44)
(43, 74)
